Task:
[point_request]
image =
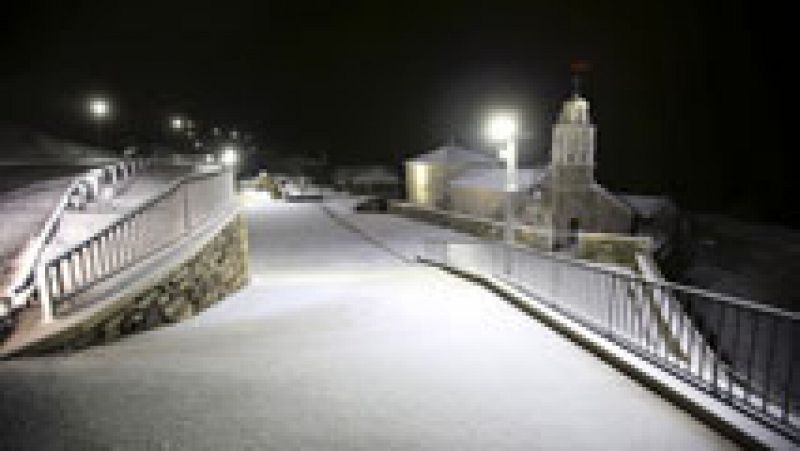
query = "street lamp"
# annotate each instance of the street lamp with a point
(229, 155)
(502, 129)
(176, 123)
(99, 110)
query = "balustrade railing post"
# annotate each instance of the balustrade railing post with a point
(100, 247)
(186, 213)
(43, 289)
(113, 237)
(134, 236)
(63, 272)
(77, 275)
(86, 260)
(123, 243)
(128, 240)
(97, 257)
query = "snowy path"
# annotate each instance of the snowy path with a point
(337, 344)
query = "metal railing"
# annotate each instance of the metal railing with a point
(740, 352)
(84, 188)
(152, 226)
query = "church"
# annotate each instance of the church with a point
(568, 199)
(561, 199)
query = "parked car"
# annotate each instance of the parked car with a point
(373, 204)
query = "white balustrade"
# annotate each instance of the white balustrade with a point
(152, 227)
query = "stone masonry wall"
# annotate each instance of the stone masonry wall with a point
(597, 247)
(217, 270)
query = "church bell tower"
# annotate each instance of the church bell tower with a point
(572, 157)
(572, 171)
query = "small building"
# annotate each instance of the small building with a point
(370, 180)
(428, 176)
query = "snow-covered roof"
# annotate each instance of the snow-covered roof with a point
(454, 154)
(495, 178)
(647, 206)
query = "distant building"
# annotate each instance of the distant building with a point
(561, 198)
(428, 176)
(373, 180)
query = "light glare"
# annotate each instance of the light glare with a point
(230, 156)
(99, 108)
(176, 123)
(502, 126)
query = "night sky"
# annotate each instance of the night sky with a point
(689, 97)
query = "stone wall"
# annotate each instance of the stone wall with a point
(597, 247)
(472, 225)
(218, 269)
(610, 248)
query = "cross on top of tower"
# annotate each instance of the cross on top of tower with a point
(578, 68)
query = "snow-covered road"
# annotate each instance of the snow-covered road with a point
(338, 344)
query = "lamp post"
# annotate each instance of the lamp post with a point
(99, 110)
(180, 127)
(502, 129)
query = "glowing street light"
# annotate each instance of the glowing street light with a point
(99, 108)
(176, 123)
(502, 128)
(229, 155)
(100, 111)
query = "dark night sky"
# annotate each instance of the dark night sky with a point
(688, 96)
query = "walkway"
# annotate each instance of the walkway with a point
(338, 344)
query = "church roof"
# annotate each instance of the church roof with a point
(495, 178)
(454, 154)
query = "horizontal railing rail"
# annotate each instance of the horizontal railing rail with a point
(741, 352)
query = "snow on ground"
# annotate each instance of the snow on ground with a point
(338, 344)
(401, 235)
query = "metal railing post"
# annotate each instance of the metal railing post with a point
(43, 290)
